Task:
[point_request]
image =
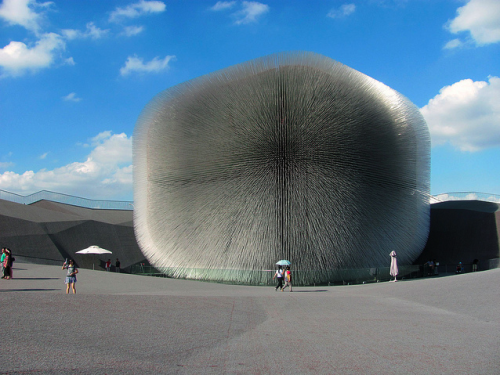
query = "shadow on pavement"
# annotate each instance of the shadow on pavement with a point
(27, 290)
(310, 291)
(37, 278)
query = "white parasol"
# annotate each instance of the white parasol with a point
(94, 250)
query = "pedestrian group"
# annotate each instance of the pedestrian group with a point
(283, 275)
(7, 259)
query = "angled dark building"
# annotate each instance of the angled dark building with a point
(49, 232)
(461, 231)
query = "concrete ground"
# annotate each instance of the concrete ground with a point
(127, 324)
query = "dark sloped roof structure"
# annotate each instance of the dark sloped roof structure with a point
(291, 156)
(50, 232)
(462, 231)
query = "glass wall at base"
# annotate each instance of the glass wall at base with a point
(299, 277)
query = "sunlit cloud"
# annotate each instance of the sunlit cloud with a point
(481, 18)
(17, 58)
(343, 11)
(106, 172)
(136, 64)
(71, 97)
(6, 164)
(91, 31)
(22, 13)
(135, 10)
(250, 12)
(132, 30)
(223, 5)
(466, 114)
(455, 43)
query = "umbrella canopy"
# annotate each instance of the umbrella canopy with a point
(94, 250)
(283, 262)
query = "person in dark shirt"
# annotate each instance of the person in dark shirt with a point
(117, 265)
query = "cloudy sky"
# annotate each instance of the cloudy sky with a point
(75, 75)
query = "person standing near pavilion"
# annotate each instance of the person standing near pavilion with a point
(394, 265)
(117, 265)
(70, 275)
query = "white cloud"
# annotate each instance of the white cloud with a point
(71, 97)
(466, 114)
(43, 156)
(343, 11)
(132, 30)
(5, 164)
(105, 174)
(223, 5)
(100, 138)
(69, 61)
(20, 12)
(91, 31)
(250, 12)
(141, 8)
(481, 18)
(16, 58)
(136, 64)
(455, 43)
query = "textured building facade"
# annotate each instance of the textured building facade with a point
(291, 156)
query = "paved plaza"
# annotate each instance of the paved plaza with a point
(128, 324)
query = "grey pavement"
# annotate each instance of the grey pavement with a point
(128, 324)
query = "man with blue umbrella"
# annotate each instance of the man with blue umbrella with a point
(279, 275)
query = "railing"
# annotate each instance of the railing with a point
(337, 277)
(145, 270)
(465, 196)
(66, 199)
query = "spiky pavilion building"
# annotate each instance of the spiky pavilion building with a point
(290, 156)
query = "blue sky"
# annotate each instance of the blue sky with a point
(75, 75)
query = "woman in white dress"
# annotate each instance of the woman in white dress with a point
(394, 265)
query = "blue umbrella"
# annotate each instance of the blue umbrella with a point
(283, 262)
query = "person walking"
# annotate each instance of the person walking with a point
(70, 275)
(108, 265)
(474, 265)
(288, 279)
(279, 276)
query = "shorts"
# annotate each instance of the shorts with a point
(70, 280)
